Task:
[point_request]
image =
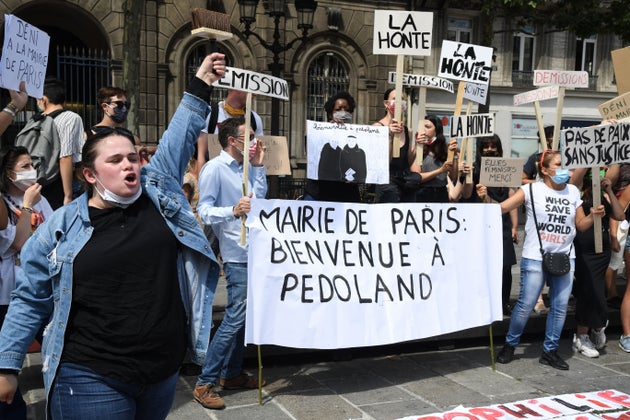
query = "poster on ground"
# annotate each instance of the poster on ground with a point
(336, 275)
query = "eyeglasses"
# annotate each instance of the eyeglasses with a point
(119, 104)
(101, 131)
(252, 137)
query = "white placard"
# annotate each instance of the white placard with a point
(418, 80)
(501, 172)
(587, 147)
(541, 94)
(334, 275)
(572, 79)
(347, 152)
(402, 33)
(467, 62)
(24, 56)
(256, 83)
(476, 92)
(476, 125)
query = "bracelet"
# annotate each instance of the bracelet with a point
(28, 209)
(9, 111)
(13, 107)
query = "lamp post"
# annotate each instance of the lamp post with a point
(306, 11)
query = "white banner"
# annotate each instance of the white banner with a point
(466, 62)
(418, 80)
(586, 147)
(257, 83)
(542, 94)
(402, 33)
(24, 56)
(476, 125)
(335, 275)
(574, 79)
(476, 92)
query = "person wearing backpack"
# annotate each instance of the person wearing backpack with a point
(54, 139)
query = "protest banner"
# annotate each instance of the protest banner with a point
(465, 62)
(536, 95)
(476, 125)
(337, 275)
(401, 33)
(565, 78)
(600, 145)
(418, 80)
(476, 92)
(252, 82)
(347, 152)
(609, 404)
(501, 172)
(621, 63)
(276, 160)
(24, 56)
(617, 108)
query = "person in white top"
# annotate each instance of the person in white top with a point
(558, 210)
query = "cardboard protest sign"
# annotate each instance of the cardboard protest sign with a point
(24, 56)
(417, 80)
(214, 147)
(466, 62)
(571, 79)
(540, 94)
(501, 172)
(587, 147)
(276, 159)
(621, 63)
(617, 108)
(252, 82)
(335, 275)
(597, 405)
(476, 92)
(402, 33)
(347, 153)
(476, 125)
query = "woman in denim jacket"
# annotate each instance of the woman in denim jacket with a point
(105, 273)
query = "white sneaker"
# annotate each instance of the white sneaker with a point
(583, 344)
(598, 338)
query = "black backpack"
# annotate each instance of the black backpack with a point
(41, 139)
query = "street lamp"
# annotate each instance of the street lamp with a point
(276, 9)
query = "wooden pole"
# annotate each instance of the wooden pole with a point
(248, 113)
(400, 64)
(541, 127)
(457, 112)
(422, 109)
(556, 128)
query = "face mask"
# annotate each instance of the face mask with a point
(115, 199)
(490, 153)
(252, 149)
(561, 176)
(432, 140)
(119, 115)
(344, 116)
(25, 179)
(392, 105)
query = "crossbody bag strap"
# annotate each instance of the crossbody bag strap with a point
(531, 195)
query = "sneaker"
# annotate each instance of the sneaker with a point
(242, 381)
(506, 355)
(551, 358)
(624, 343)
(207, 396)
(582, 344)
(599, 337)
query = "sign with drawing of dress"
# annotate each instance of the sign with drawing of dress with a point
(465, 62)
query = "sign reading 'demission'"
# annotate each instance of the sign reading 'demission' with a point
(467, 62)
(402, 33)
(574, 79)
(541, 94)
(257, 83)
(423, 81)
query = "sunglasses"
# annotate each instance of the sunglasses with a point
(119, 104)
(101, 131)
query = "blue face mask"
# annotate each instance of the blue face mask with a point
(561, 176)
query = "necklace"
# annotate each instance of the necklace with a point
(8, 197)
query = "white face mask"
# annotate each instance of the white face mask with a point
(25, 179)
(115, 199)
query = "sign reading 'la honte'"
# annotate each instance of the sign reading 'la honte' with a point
(402, 33)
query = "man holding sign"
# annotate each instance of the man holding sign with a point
(222, 205)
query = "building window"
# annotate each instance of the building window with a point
(327, 75)
(459, 30)
(195, 57)
(585, 54)
(523, 51)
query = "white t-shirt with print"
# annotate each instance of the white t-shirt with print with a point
(555, 211)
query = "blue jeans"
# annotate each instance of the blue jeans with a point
(225, 353)
(532, 281)
(80, 393)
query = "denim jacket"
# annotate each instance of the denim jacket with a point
(43, 292)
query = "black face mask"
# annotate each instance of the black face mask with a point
(490, 153)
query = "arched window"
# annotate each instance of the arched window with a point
(195, 57)
(327, 75)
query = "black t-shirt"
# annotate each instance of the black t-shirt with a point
(127, 319)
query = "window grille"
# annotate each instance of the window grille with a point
(327, 75)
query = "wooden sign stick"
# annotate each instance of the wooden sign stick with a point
(541, 127)
(400, 64)
(458, 110)
(422, 109)
(597, 200)
(556, 128)
(248, 113)
(467, 149)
